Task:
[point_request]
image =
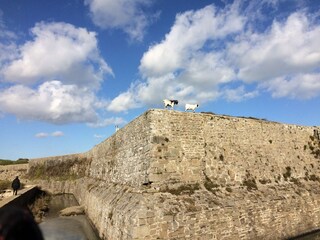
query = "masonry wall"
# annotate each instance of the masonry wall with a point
(125, 156)
(176, 175)
(230, 150)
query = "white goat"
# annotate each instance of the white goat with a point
(170, 103)
(191, 107)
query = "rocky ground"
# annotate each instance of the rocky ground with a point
(5, 194)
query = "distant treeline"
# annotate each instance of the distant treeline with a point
(9, 162)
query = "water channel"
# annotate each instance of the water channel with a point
(55, 227)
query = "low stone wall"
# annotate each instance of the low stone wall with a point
(24, 198)
(176, 175)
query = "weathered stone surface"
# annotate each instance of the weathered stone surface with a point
(71, 211)
(176, 175)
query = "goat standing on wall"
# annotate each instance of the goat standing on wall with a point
(191, 107)
(170, 103)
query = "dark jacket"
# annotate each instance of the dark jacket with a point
(15, 184)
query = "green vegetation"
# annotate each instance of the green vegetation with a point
(10, 162)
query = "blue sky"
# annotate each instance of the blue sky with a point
(70, 70)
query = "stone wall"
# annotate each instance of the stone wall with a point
(230, 151)
(176, 175)
(125, 156)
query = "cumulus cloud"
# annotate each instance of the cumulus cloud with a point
(181, 65)
(127, 15)
(54, 77)
(124, 101)
(58, 51)
(52, 102)
(188, 37)
(238, 94)
(209, 49)
(300, 86)
(289, 47)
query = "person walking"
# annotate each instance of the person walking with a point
(15, 185)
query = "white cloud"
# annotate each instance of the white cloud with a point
(107, 122)
(181, 66)
(45, 135)
(98, 136)
(58, 51)
(238, 94)
(52, 102)
(41, 135)
(291, 47)
(124, 101)
(301, 86)
(54, 77)
(57, 134)
(209, 49)
(191, 33)
(127, 15)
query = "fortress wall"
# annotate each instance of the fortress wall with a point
(230, 150)
(176, 175)
(124, 157)
(178, 147)
(239, 150)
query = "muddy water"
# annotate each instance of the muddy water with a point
(67, 228)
